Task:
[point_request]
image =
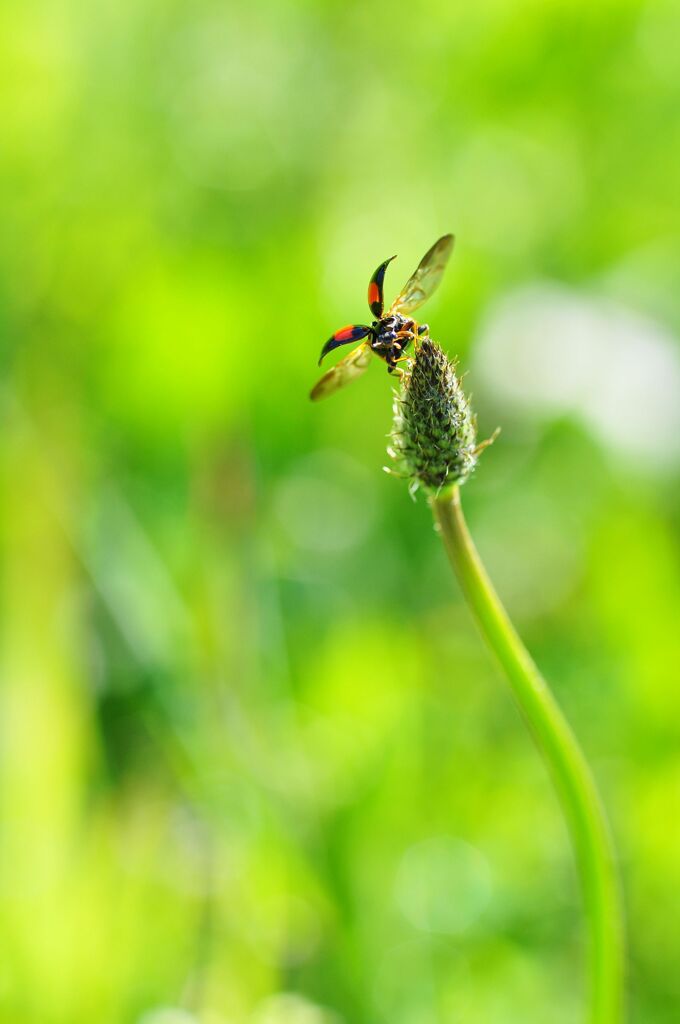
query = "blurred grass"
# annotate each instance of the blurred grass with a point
(253, 754)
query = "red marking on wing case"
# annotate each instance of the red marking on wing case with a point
(345, 333)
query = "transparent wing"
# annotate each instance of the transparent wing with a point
(343, 372)
(427, 276)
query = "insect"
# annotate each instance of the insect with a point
(389, 334)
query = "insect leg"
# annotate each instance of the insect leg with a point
(422, 330)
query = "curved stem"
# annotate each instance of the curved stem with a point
(565, 760)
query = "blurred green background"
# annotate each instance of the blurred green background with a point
(255, 764)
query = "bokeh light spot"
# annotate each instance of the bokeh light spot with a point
(443, 885)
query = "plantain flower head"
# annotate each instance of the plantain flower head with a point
(434, 430)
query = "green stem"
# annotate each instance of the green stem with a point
(565, 760)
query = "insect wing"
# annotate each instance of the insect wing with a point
(427, 276)
(346, 335)
(353, 365)
(375, 289)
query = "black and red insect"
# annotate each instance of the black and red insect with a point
(389, 335)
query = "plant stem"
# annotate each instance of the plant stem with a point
(565, 760)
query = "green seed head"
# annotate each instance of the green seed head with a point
(434, 431)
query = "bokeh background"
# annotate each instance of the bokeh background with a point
(256, 766)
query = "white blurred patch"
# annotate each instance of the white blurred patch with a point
(443, 885)
(545, 350)
(290, 1008)
(168, 1015)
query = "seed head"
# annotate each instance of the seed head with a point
(434, 430)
